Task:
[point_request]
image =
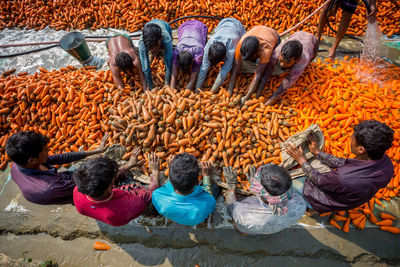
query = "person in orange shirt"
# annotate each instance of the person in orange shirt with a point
(258, 43)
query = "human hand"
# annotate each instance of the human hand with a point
(371, 17)
(296, 153)
(103, 146)
(206, 168)
(170, 159)
(270, 101)
(133, 159)
(230, 177)
(313, 143)
(251, 173)
(154, 163)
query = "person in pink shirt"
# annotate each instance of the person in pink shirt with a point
(96, 196)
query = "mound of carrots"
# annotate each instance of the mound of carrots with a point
(132, 15)
(75, 107)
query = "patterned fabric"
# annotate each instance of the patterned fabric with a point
(278, 203)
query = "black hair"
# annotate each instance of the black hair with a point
(376, 137)
(249, 47)
(275, 179)
(94, 176)
(24, 145)
(124, 61)
(183, 173)
(185, 60)
(151, 35)
(292, 49)
(216, 53)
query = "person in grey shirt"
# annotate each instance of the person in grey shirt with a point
(274, 206)
(221, 47)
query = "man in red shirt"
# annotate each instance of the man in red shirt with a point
(95, 197)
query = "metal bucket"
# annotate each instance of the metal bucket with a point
(74, 43)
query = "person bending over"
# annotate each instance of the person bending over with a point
(293, 55)
(181, 199)
(221, 47)
(257, 43)
(349, 8)
(188, 53)
(156, 38)
(96, 196)
(274, 206)
(31, 170)
(123, 57)
(352, 182)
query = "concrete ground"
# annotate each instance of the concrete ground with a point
(60, 234)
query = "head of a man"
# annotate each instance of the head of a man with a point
(185, 61)
(152, 37)
(28, 149)
(216, 53)
(290, 54)
(124, 63)
(249, 48)
(371, 138)
(183, 173)
(275, 179)
(95, 177)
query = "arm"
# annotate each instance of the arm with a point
(255, 82)
(225, 69)
(140, 73)
(331, 160)
(372, 15)
(192, 80)
(293, 76)
(328, 159)
(265, 78)
(145, 62)
(65, 158)
(235, 72)
(116, 77)
(203, 69)
(206, 168)
(168, 59)
(174, 76)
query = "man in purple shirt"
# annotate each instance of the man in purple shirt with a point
(293, 55)
(352, 182)
(188, 54)
(40, 182)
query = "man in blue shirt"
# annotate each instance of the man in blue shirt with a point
(221, 47)
(181, 199)
(156, 37)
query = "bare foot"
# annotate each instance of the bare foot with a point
(332, 53)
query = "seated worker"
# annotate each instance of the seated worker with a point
(353, 182)
(95, 197)
(181, 199)
(31, 170)
(221, 47)
(348, 9)
(156, 38)
(273, 208)
(257, 43)
(123, 57)
(188, 53)
(293, 55)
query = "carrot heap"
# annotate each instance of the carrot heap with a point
(75, 107)
(132, 15)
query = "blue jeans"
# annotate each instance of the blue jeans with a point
(298, 186)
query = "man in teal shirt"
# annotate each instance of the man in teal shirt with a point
(156, 37)
(181, 199)
(221, 47)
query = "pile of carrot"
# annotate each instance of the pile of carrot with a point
(76, 107)
(132, 15)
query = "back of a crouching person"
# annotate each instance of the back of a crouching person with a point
(181, 199)
(273, 208)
